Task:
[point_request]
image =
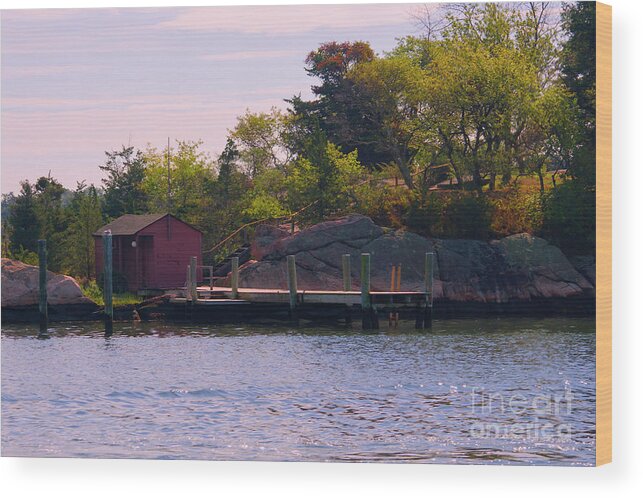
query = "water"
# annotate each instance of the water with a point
(508, 391)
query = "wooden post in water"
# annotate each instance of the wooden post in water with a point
(193, 281)
(292, 286)
(234, 277)
(369, 315)
(425, 314)
(42, 294)
(107, 280)
(391, 314)
(347, 284)
(428, 283)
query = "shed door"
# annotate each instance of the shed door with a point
(147, 261)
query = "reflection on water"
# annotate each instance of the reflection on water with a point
(470, 391)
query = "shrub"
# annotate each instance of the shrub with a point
(516, 211)
(21, 254)
(454, 215)
(93, 291)
(569, 217)
(384, 204)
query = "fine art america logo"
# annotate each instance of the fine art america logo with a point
(515, 416)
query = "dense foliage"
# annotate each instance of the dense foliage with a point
(482, 128)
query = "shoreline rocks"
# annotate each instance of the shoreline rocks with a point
(20, 294)
(519, 271)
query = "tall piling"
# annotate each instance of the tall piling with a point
(193, 280)
(428, 289)
(42, 287)
(347, 285)
(425, 313)
(234, 277)
(292, 286)
(107, 281)
(346, 272)
(369, 314)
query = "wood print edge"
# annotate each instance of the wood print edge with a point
(603, 233)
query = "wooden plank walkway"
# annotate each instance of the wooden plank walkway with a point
(225, 295)
(370, 302)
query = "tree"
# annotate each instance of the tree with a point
(551, 136)
(325, 178)
(337, 110)
(267, 199)
(23, 220)
(484, 82)
(225, 201)
(387, 92)
(578, 73)
(85, 217)
(124, 183)
(259, 141)
(38, 213)
(191, 170)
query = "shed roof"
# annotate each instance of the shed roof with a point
(130, 224)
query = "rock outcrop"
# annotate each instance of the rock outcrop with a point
(516, 269)
(20, 293)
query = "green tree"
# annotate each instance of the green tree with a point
(191, 171)
(84, 218)
(336, 109)
(486, 81)
(226, 200)
(387, 92)
(324, 179)
(38, 213)
(260, 141)
(267, 199)
(123, 186)
(578, 70)
(23, 220)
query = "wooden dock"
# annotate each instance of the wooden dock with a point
(224, 295)
(369, 303)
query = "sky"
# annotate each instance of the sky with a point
(78, 82)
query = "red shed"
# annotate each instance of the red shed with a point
(152, 251)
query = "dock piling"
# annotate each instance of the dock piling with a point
(346, 272)
(42, 294)
(193, 280)
(234, 277)
(347, 284)
(428, 315)
(107, 281)
(292, 285)
(369, 314)
(425, 313)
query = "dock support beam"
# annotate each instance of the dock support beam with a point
(348, 284)
(369, 313)
(425, 314)
(346, 272)
(42, 294)
(234, 277)
(193, 292)
(107, 281)
(292, 286)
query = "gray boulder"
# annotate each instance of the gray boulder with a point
(518, 268)
(20, 283)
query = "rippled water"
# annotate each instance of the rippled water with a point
(470, 391)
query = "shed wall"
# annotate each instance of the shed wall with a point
(158, 261)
